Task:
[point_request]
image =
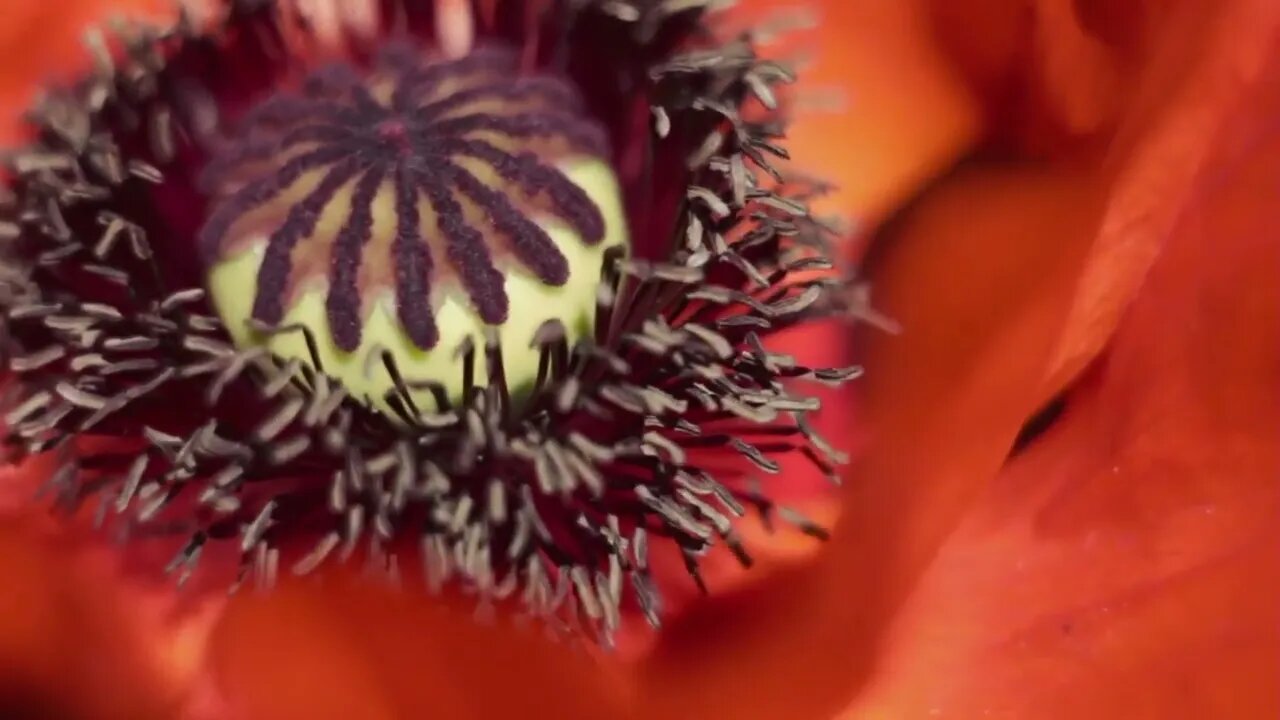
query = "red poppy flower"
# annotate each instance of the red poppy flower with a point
(1065, 500)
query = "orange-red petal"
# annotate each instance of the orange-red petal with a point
(983, 276)
(1204, 65)
(349, 648)
(1126, 565)
(1138, 88)
(904, 115)
(71, 645)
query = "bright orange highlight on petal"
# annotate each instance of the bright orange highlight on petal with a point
(905, 116)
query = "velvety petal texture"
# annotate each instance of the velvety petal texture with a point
(1125, 564)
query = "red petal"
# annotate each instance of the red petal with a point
(1200, 73)
(69, 644)
(1126, 566)
(982, 275)
(1137, 88)
(1050, 82)
(349, 649)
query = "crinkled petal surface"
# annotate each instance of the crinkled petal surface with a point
(1125, 565)
(1204, 63)
(1139, 89)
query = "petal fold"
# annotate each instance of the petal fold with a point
(980, 306)
(1125, 565)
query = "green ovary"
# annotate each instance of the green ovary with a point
(532, 303)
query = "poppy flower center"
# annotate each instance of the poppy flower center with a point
(400, 212)
(414, 338)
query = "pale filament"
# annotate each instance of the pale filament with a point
(455, 27)
(329, 19)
